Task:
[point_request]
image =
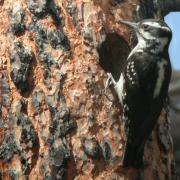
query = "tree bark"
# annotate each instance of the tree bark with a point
(168, 6)
(57, 122)
(174, 94)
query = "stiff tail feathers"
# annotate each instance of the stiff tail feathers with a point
(133, 156)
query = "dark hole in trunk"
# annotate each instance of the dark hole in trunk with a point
(113, 53)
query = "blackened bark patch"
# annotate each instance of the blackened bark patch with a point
(59, 154)
(73, 12)
(57, 39)
(47, 60)
(70, 8)
(43, 37)
(113, 53)
(61, 124)
(28, 134)
(20, 59)
(17, 24)
(8, 148)
(29, 142)
(61, 120)
(42, 8)
(4, 91)
(91, 147)
(47, 41)
(40, 34)
(55, 13)
(37, 100)
(37, 7)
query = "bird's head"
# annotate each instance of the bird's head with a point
(151, 29)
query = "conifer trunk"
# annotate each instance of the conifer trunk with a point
(57, 121)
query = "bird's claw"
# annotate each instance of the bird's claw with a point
(108, 81)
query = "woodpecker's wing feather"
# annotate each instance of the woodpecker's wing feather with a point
(143, 110)
(144, 74)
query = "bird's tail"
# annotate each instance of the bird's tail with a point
(133, 156)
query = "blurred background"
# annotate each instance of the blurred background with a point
(173, 20)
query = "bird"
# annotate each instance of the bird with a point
(142, 88)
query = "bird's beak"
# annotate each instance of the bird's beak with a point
(130, 24)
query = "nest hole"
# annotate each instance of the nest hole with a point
(113, 53)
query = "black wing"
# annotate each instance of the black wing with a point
(141, 109)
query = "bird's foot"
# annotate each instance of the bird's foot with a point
(110, 80)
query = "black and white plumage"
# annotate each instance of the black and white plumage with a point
(143, 85)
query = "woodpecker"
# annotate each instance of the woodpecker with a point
(143, 86)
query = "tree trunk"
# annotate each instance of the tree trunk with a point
(174, 93)
(57, 121)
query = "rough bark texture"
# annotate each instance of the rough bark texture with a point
(167, 6)
(174, 92)
(57, 122)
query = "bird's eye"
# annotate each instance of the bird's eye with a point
(145, 26)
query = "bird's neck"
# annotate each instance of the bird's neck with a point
(153, 46)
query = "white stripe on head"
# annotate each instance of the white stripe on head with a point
(147, 35)
(157, 25)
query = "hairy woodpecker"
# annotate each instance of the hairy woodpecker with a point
(143, 85)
